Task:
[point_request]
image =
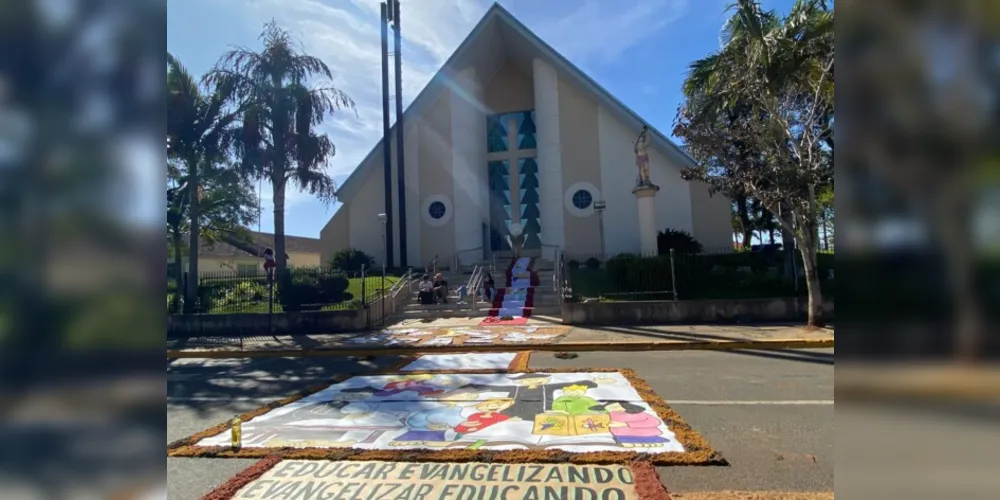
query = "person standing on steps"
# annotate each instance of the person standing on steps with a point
(516, 239)
(489, 288)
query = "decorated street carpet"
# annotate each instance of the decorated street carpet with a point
(595, 416)
(456, 336)
(514, 301)
(273, 478)
(498, 361)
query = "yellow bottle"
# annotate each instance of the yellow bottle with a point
(236, 431)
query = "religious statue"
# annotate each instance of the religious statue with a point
(641, 147)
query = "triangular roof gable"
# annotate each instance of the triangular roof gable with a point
(433, 88)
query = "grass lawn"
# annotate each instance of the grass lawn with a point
(372, 285)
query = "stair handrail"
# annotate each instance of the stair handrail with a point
(562, 283)
(473, 285)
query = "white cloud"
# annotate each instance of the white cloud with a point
(345, 35)
(602, 30)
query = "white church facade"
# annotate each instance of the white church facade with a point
(509, 131)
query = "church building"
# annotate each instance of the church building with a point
(509, 131)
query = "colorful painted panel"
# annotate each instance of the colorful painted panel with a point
(528, 171)
(570, 412)
(499, 187)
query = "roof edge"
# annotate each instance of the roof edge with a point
(671, 148)
(422, 97)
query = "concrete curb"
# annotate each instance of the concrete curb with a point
(695, 345)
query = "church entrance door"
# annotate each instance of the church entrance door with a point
(512, 173)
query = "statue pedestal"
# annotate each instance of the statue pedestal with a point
(644, 196)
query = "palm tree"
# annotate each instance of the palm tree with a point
(277, 140)
(776, 74)
(200, 133)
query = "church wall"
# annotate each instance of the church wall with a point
(368, 201)
(411, 147)
(434, 157)
(711, 217)
(581, 168)
(509, 90)
(468, 165)
(548, 116)
(673, 202)
(335, 235)
(618, 177)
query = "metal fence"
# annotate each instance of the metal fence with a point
(299, 289)
(714, 274)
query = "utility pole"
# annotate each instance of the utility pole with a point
(386, 147)
(400, 175)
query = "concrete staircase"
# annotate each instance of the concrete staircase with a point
(546, 299)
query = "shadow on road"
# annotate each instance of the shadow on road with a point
(201, 385)
(790, 355)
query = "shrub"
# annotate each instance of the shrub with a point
(243, 293)
(680, 241)
(593, 263)
(634, 273)
(351, 259)
(573, 264)
(307, 289)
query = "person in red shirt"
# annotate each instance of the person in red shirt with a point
(489, 414)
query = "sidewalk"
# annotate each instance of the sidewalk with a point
(577, 337)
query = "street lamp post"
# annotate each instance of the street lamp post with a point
(599, 207)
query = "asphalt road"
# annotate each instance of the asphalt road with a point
(771, 414)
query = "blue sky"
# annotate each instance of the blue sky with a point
(637, 49)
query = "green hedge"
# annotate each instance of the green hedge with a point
(699, 276)
(308, 290)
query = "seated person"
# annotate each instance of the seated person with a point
(489, 288)
(425, 289)
(441, 288)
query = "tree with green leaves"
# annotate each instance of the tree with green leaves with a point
(227, 206)
(200, 134)
(279, 110)
(772, 85)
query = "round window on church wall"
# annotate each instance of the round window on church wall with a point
(436, 210)
(582, 199)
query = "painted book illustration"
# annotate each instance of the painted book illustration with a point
(560, 424)
(575, 412)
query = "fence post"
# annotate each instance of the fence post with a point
(364, 297)
(270, 292)
(673, 275)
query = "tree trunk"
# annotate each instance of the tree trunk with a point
(279, 228)
(191, 295)
(178, 292)
(950, 218)
(826, 242)
(743, 212)
(807, 247)
(787, 240)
